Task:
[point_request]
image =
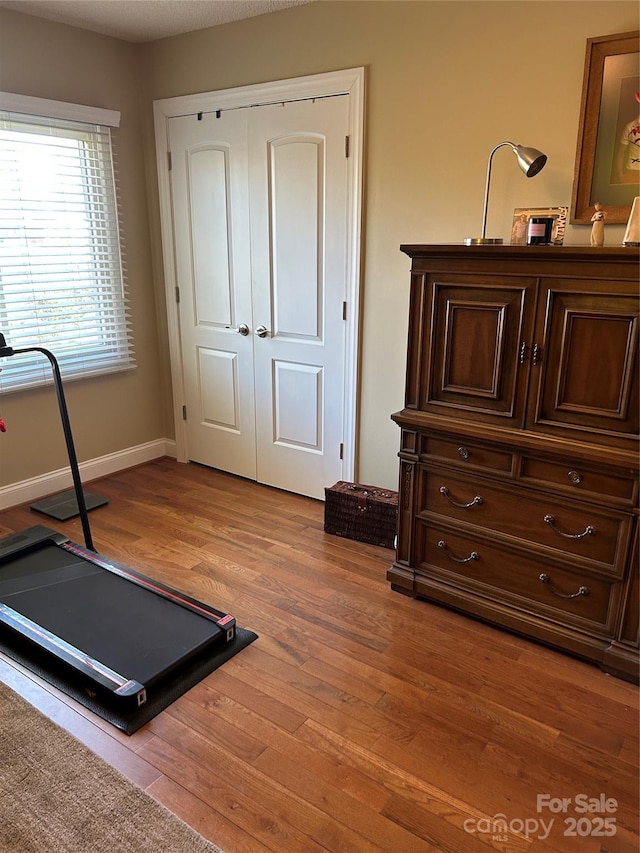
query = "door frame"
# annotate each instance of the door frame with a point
(350, 81)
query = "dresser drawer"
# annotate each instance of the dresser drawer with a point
(526, 583)
(467, 453)
(576, 479)
(582, 530)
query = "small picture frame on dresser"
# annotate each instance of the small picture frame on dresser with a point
(522, 215)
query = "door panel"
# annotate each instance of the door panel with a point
(218, 388)
(590, 348)
(297, 405)
(477, 326)
(211, 234)
(207, 176)
(298, 244)
(296, 179)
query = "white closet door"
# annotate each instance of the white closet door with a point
(298, 182)
(210, 199)
(259, 202)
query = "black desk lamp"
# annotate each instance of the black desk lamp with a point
(6, 351)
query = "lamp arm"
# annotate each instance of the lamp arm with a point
(486, 189)
(66, 426)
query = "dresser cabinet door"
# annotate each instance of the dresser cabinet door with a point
(476, 352)
(588, 361)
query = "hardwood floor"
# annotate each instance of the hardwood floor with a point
(360, 720)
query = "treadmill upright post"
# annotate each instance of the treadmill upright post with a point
(66, 426)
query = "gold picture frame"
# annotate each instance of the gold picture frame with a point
(609, 107)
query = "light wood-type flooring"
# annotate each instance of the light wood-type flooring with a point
(361, 719)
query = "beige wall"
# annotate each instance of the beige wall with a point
(446, 81)
(111, 413)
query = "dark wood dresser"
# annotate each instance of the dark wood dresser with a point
(518, 486)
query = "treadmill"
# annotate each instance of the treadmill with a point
(115, 633)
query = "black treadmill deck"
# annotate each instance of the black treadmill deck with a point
(119, 631)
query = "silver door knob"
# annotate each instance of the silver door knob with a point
(262, 331)
(242, 329)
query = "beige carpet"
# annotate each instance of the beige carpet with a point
(56, 796)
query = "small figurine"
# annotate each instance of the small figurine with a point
(597, 229)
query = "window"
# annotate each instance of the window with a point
(61, 275)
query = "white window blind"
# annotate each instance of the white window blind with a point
(61, 274)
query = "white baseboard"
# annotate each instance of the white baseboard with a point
(58, 481)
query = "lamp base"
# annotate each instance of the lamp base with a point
(483, 241)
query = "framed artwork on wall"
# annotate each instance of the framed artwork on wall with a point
(608, 153)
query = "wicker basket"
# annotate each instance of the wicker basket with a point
(365, 513)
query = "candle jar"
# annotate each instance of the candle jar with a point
(539, 230)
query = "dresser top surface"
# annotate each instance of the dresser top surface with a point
(630, 254)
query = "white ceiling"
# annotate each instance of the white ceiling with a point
(146, 20)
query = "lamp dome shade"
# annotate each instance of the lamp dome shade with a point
(530, 160)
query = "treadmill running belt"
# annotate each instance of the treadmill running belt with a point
(124, 626)
(118, 630)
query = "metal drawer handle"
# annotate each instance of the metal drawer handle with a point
(472, 556)
(475, 502)
(583, 590)
(589, 530)
(464, 453)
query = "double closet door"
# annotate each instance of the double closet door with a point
(259, 200)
